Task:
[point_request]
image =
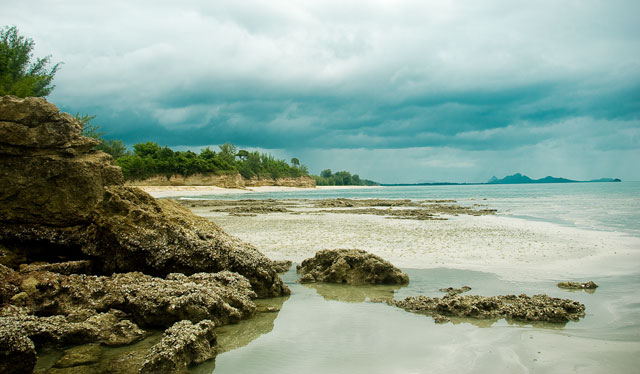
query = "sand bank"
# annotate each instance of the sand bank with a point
(191, 191)
(513, 248)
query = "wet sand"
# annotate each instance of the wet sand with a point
(510, 247)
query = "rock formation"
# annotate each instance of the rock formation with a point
(578, 286)
(86, 259)
(523, 308)
(182, 344)
(350, 266)
(62, 201)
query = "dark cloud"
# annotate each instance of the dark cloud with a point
(429, 83)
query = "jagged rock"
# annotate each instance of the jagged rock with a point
(182, 344)
(450, 291)
(223, 297)
(60, 202)
(282, 266)
(350, 266)
(578, 286)
(66, 268)
(7, 289)
(17, 351)
(537, 308)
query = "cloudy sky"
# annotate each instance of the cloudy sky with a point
(396, 91)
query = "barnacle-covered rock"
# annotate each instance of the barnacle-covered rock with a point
(181, 345)
(523, 308)
(223, 297)
(350, 266)
(61, 201)
(591, 285)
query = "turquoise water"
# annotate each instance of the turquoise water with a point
(596, 206)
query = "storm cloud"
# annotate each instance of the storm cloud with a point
(398, 91)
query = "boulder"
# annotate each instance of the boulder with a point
(17, 351)
(181, 345)
(350, 266)
(591, 285)
(60, 201)
(223, 297)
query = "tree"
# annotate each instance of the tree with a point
(295, 162)
(113, 147)
(18, 75)
(326, 173)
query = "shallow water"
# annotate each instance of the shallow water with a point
(599, 206)
(331, 329)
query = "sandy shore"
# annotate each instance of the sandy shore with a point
(192, 191)
(513, 248)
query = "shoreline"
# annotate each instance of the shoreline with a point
(194, 191)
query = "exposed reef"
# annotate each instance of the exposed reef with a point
(578, 286)
(395, 209)
(522, 308)
(349, 266)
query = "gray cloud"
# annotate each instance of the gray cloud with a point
(445, 87)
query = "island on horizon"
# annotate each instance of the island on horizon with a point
(516, 178)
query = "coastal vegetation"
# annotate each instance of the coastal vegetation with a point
(19, 76)
(341, 178)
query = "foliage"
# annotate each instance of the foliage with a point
(341, 178)
(18, 75)
(113, 147)
(149, 159)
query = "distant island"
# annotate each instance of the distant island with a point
(510, 179)
(523, 179)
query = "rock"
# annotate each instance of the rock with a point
(450, 291)
(350, 266)
(223, 297)
(59, 331)
(80, 355)
(8, 289)
(578, 286)
(17, 351)
(537, 308)
(67, 267)
(181, 345)
(60, 201)
(282, 266)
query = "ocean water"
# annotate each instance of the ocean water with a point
(338, 329)
(595, 206)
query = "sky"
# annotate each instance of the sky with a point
(395, 91)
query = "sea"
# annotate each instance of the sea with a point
(609, 206)
(338, 329)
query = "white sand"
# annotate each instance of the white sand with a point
(192, 191)
(510, 247)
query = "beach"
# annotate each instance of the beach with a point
(508, 240)
(513, 248)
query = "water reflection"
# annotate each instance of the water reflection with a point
(355, 294)
(242, 333)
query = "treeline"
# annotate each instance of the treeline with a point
(341, 178)
(149, 159)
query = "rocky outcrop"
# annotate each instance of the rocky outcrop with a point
(578, 286)
(224, 180)
(181, 345)
(85, 259)
(223, 297)
(350, 266)
(61, 201)
(522, 308)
